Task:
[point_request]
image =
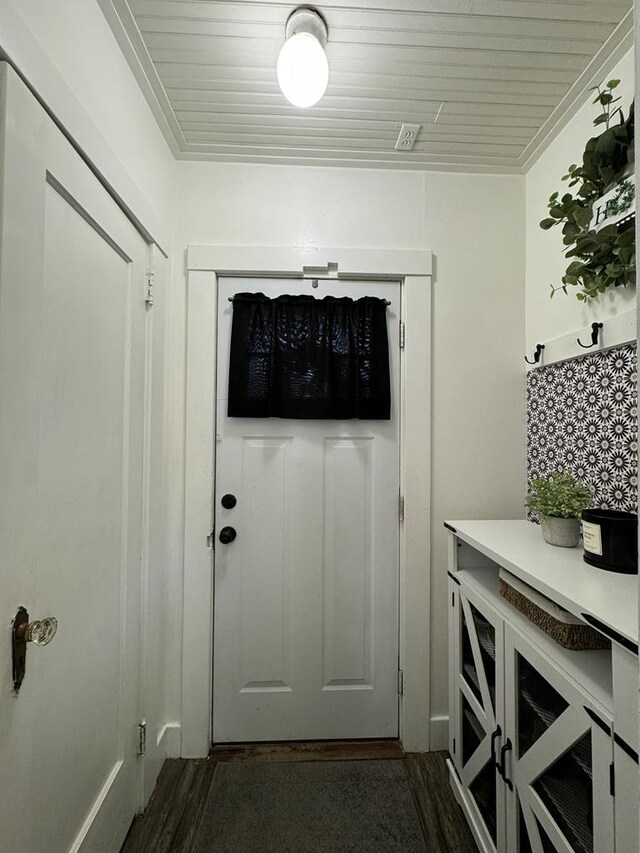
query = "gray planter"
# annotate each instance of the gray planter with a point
(564, 532)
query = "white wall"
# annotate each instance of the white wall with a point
(475, 227)
(546, 318)
(68, 53)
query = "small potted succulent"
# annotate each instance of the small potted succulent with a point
(558, 501)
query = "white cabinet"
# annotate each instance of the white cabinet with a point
(536, 761)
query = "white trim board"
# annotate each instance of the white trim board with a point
(615, 331)
(310, 261)
(413, 270)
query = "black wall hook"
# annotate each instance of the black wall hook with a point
(536, 355)
(595, 334)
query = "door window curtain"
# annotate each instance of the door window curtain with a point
(302, 357)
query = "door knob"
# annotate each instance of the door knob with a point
(227, 535)
(228, 501)
(40, 632)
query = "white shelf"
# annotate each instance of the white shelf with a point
(559, 573)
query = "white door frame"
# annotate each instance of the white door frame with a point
(412, 268)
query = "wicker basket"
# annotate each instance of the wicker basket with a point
(570, 636)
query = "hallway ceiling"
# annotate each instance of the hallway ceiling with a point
(489, 80)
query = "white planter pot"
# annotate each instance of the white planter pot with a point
(564, 532)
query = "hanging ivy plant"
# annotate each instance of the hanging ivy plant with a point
(604, 257)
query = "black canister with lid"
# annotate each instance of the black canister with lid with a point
(611, 540)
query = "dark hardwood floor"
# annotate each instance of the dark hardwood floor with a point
(443, 823)
(171, 821)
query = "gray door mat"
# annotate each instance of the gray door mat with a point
(314, 807)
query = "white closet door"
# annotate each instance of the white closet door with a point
(72, 353)
(306, 596)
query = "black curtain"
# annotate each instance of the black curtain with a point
(301, 357)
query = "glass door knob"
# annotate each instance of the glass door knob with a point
(41, 631)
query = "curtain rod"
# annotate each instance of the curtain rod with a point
(386, 301)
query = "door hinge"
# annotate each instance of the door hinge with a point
(401, 507)
(142, 737)
(453, 599)
(612, 780)
(400, 683)
(149, 288)
(454, 746)
(402, 335)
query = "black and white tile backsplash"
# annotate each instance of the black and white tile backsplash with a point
(582, 417)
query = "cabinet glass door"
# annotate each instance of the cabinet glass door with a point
(559, 760)
(478, 689)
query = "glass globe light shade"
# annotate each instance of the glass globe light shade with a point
(302, 70)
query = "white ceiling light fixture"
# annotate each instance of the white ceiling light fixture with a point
(302, 69)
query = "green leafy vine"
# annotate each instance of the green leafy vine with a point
(602, 258)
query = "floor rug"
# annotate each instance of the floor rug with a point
(314, 807)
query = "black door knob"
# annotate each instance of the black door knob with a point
(228, 501)
(227, 534)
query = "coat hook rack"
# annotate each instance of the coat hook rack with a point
(536, 355)
(595, 334)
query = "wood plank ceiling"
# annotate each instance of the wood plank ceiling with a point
(488, 80)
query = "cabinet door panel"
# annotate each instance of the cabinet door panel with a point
(559, 766)
(479, 656)
(476, 688)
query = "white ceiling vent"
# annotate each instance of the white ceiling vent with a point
(407, 137)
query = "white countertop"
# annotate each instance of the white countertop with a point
(559, 573)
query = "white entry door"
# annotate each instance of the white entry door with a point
(306, 596)
(72, 355)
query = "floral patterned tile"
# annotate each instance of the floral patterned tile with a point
(582, 416)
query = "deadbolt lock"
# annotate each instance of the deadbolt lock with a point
(40, 632)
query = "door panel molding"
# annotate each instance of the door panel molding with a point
(205, 264)
(73, 353)
(337, 479)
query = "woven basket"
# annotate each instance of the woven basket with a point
(576, 637)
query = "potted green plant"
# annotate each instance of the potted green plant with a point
(558, 500)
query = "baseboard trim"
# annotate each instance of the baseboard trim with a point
(170, 733)
(439, 733)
